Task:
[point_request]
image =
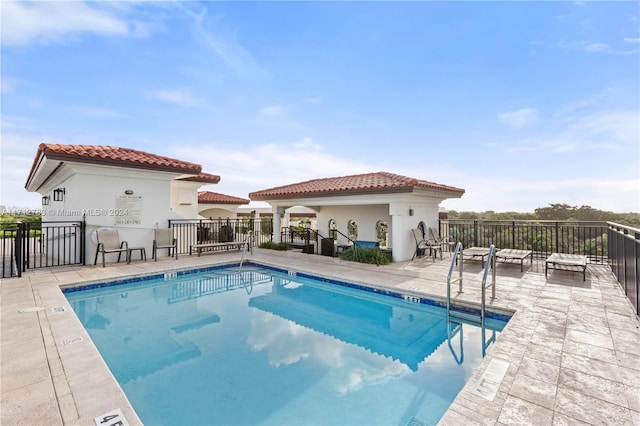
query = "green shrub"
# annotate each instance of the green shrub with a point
(273, 246)
(369, 255)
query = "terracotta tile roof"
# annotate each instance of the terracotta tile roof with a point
(112, 156)
(208, 197)
(204, 178)
(369, 183)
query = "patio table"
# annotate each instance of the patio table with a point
(143, 253)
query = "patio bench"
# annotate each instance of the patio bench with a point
(512, 254)
(566, 262)
(201, 246)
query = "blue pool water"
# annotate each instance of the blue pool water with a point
(264, 347)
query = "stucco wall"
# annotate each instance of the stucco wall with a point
(365, 216)
(98, 193)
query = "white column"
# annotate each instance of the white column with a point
(398, 241)
(278, 212)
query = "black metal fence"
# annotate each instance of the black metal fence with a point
(542, 237)
(198, 231)
(624, 249)
(40, 244)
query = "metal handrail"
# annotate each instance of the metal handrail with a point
(491, 263)
(454, 261)
(450, 335)
(247, 242)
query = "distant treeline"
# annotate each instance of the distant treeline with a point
(555, 212)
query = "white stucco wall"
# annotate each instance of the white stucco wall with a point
(402, 212)
(365, 216)
(98, 192)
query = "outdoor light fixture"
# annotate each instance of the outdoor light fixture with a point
(129, 192)
(58, 194)
(410, 212)
(45, 200)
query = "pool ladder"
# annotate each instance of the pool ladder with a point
(247, 243)
(458, 317)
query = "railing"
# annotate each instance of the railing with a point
(40, 245)
(623, 252)
(542, 237)
(198, 231)
(298, 238)
(11, 249)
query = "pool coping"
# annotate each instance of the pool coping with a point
(543, 344)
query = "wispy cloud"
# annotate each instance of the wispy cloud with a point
(182, 97)
(55, 21)
(523, 117)
(223, 40)
(277, 116)
(601, 130)
(275, 110)
(94, 112)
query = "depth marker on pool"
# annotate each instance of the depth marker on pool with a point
(112, 418)
(490, 381)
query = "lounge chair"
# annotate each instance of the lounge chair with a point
(164, 239)
(109, 242)
(447, 243)
(423, 245)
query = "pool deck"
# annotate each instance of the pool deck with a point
(572, 347)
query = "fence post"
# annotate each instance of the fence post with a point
(557, 250)
(475, 232)
(83, 233)
(18, 249)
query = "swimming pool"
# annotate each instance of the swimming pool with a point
(269, 347)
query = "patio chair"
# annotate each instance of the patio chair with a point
(109, 242)
(164, 239)
(447, 243)
(423, 245)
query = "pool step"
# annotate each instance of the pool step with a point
(466, 317)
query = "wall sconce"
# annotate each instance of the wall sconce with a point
(58, 194)
(45, 200)
(410, 212)
(129, 192)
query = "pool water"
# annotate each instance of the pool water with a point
(264, 347)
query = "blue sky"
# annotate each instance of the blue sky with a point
(522, 104)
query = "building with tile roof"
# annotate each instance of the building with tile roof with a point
(132, 190)
(215, 205)
(383, 206)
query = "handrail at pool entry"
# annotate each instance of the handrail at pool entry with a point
(454, 261)
(469, 316)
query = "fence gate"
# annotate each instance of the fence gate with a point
(41, 245)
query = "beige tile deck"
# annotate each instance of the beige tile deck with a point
(571, 346)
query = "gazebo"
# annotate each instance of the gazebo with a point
(380, 207)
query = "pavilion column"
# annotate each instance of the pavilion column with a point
(398, 241)
(278, 212)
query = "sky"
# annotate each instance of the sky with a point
(521, 104)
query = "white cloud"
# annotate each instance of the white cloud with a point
(182, 97)
(523, 117)
(95, 112)
(258, 167)
(54, 21)
(486, 193)
(273, 111)
(224, 42)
